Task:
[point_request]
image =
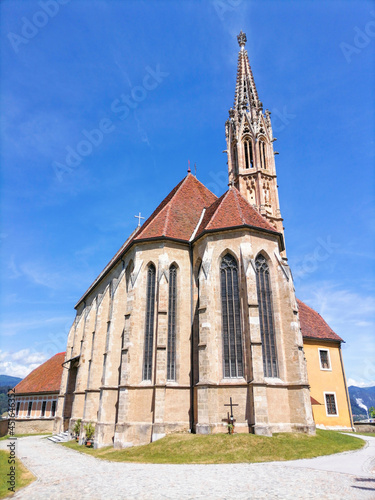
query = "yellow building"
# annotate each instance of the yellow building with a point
(325, 368)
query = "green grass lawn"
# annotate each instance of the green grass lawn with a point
(371, 434)
(26, 435)
(225, 448)
(23, 476)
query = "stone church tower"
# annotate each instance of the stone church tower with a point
(248, 131)
(197, 307)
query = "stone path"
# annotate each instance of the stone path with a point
(65, 474)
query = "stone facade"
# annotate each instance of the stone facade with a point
(191, 231)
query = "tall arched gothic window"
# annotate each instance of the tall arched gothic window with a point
(234, 159)
(172, 308)
(149, 323)
(248, 152)
(267, 329)
(262, 152)
(231, 318)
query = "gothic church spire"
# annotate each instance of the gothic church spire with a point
(251, 163)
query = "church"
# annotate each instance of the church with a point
(197, 308)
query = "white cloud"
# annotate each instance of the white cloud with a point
(20, 363)
(13, 328)
(358, 383)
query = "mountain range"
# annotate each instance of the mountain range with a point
(361, 396)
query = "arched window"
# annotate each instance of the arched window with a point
(262, 153)
(172, 306)
(234, 159)
(231, 318)
(149, 326)
(267, 329)
(128, 274)
(248, 152)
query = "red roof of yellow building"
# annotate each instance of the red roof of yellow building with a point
(313, 325)
(45, 378)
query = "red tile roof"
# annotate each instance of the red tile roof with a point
(232, 210)
(314, 401)
(178, 214)
(313, 325)
(45, 378)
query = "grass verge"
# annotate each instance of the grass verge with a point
(225, 448)
(371, 434)
(23, 475)
(26, 435)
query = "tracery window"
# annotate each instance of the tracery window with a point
(172, 306)
(248, 152)
(262, 152)
(149, 324)
(267, 329)
(231, 318)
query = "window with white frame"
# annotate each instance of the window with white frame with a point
(325, 360)
(331, 404)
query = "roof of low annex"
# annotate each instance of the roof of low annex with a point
(45, 378)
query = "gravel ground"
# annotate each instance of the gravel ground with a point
(65, 474)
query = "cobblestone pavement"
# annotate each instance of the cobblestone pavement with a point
(65, 474)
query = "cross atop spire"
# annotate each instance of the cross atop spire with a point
(246, 95)
(241, 38)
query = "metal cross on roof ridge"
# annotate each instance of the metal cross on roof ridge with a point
(139, 217)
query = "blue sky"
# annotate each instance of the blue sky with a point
(66, 71)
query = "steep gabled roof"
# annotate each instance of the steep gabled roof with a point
(232, 210)
(313, 325)
(178, 214)
(45, 378)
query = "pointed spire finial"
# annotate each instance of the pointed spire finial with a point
(241, 38)
(189, 169)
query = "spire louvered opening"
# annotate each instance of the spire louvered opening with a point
(267, 329)
(231, 318)
(262, 153)
(248, 153)
(149, 324)
(172, 313)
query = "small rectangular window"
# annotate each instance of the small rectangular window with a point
(331, 406)
(43, 410)
(18, 408)
(53, 409)
(325, 362)
(30, 405)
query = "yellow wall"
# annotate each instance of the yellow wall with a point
(331, 381)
